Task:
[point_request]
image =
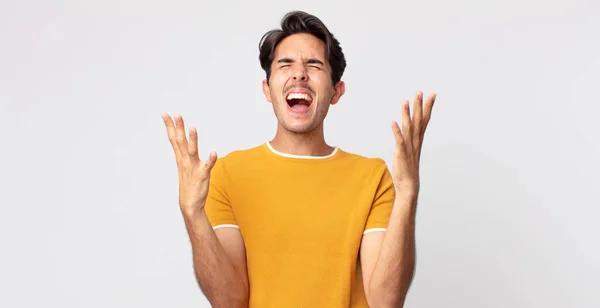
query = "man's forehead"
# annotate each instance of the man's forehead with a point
(299, 56)
(300, 47)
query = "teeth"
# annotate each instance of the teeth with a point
(303, 96)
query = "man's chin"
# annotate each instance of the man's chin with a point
(299, 127)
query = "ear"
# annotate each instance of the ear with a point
(339, 90)
(267, 91)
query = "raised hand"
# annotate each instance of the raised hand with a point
(194, 174)
(409, 141)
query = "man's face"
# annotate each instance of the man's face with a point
(300, 86)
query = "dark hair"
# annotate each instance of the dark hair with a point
(302, 22)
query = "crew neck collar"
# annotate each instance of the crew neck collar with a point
(268, 145)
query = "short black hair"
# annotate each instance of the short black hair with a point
(302, 22)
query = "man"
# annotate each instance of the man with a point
(296, 222)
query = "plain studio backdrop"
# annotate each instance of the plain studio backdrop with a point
(509, 200)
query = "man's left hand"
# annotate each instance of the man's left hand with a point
(409, 141)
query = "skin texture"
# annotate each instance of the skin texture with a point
(387, 258)
(300, 63)
(219, 257)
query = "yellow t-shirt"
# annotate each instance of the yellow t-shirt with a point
(302, 219)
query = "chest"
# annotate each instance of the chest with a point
(326, 213)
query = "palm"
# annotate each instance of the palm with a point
(194, 174)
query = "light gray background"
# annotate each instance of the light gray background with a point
(509, 203)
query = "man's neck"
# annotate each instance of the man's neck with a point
(310, 144)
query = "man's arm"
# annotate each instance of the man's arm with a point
(219, 259)
(388, 258)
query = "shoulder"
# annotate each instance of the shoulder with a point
(367, 163)
(239, 158)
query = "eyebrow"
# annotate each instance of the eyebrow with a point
(309, 61)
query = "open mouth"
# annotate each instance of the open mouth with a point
(299, 102)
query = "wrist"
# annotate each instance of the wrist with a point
(407, 191)
(193, 212)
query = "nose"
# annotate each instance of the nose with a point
(300, 73)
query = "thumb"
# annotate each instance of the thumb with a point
(397, 133)
(210, 161)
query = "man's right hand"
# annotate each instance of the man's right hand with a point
(194, 174)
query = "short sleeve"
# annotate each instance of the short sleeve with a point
(218, 208)
(383, 200)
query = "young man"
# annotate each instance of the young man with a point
(296, 222)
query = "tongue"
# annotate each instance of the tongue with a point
(299, 107)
